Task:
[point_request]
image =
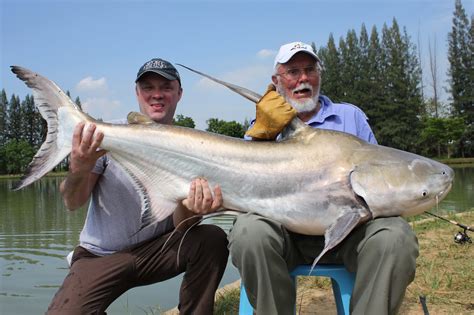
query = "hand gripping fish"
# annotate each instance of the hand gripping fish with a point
(315, 182)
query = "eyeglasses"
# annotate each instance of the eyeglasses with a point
(296, 73)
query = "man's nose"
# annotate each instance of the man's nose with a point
(157, 94)
(304, 77)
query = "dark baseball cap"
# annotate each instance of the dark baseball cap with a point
(161, 67)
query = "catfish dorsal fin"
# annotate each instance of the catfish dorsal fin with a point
(248, 94)
(136, 118)
(296, 129)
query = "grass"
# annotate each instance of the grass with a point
(444, 276)
(457, 161)
(444, 269)
(18, 176)
(227, 302)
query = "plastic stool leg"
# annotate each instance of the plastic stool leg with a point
(342, 284)
(245, 308)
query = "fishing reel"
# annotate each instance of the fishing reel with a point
(462, 237)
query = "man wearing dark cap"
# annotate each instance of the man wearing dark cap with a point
(114, 254)
(382, 251)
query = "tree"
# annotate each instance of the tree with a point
(15, 123)
(184, 121)
(461, 72)
(350, 67)
(374, 94)
(3, 117)
(331, 74)
(364, 89)
(78, 103)
(17, 154)
(228, 128)
(402, 103)
(434, 78)
(34, 129)
(440, 135)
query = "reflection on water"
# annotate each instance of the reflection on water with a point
(36, 233)
(461, 196)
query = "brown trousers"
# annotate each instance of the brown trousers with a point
(94, 282)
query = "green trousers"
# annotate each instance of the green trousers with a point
(382, 252)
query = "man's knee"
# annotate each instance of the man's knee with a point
(394, 237)
(213, 239)
(253, 237)
(252, 231)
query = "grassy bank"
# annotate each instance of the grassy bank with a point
(444, 276)
(18, 176)
(457, 161)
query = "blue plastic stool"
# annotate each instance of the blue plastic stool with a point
(341, 279)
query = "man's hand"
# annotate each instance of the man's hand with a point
(200, 201)
(78, 185)
(273, 114)
(85, 151)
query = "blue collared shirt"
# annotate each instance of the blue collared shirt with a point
(343, 117)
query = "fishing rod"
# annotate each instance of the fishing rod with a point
(460, 237)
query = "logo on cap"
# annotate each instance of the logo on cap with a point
(161, 67)
(300, 46)
(154, 64)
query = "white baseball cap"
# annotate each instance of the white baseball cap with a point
(289, 50)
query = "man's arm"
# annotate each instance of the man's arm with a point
(78, 185)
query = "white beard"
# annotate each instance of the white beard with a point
(304, 105)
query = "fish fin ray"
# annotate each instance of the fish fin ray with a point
(47, 157)
(48, 99)
(46, 93)
(338, 232)
(155, 207)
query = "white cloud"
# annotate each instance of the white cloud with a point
(89, 85)
(207, 99)
(248, 77)
(266, 53)
(98, 101)
(102, 107)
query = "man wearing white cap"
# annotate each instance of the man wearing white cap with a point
(382, 252)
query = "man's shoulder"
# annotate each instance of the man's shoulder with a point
(344, 108)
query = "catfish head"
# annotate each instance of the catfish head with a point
(394, 182)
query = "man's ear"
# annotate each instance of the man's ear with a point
(275, 80)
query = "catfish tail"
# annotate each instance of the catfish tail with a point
(52, 104)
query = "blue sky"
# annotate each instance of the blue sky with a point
(94, 48)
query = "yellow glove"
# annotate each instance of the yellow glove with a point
(273, 114)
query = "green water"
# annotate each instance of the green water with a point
(36, 233)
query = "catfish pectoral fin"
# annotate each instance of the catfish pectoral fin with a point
(339, 231)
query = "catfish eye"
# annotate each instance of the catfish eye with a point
(424, 193)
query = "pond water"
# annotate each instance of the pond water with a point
(36, 233)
